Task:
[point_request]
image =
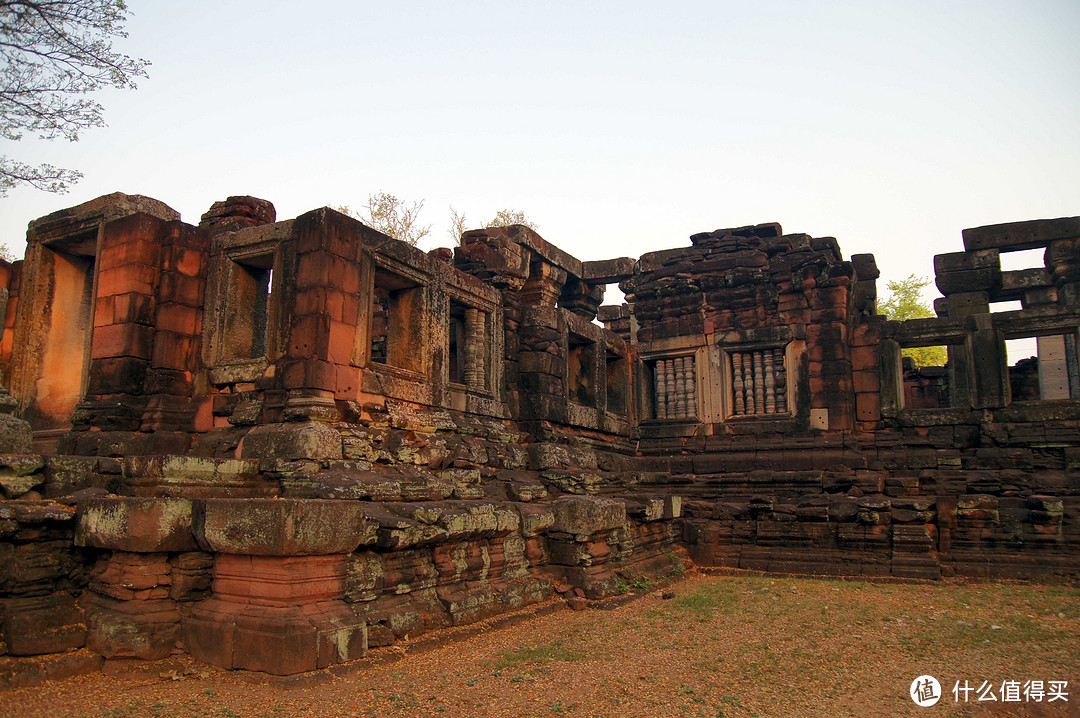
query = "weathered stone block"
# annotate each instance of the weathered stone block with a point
(42, 624)
(16, 436)
(587, 515)
(146, 629)
(301, 440)
(135, 524)
(279, 527)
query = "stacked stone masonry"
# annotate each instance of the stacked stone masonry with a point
(275, 444)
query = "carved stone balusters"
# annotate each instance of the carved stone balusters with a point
(691, 386)
(680, 387)
(758, 382)
(737, 382)
(759, 385)
(770, 382)
(669, 381)
(780, 380)
(661, 390)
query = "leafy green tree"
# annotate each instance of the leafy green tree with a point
(905, 302)
(52, 53)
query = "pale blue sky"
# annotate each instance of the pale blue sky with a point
(618, 127)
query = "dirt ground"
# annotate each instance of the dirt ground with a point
(722, 646)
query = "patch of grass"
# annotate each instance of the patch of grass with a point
(540, 655)
(707, 600)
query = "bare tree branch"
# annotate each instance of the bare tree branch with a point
(53, 52)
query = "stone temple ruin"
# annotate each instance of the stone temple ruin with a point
(276, 444)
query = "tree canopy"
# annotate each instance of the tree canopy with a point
(905, 302)
(53, 53)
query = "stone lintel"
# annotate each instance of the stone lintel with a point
(1015, 236)
(607, 271)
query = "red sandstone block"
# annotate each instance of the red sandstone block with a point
(309, 336)
(103, 311)
(181, 289)
(189, 262)
(342, 343)
(176, 351)
(283, 581)
(281, 527)
(116, 375)
(203, 420)
(828, 314)
(123, 308)
(139, 278)
(831, 296)
(832, 332)
(178, 318)
(335, 304)
(350, 312)
(135, 524)
(349, 281)
(117, 340)
(349, 383)
(866, 381)
(313, 270)
(309, 301)
(864, 358)
(43, 624)
(310, 374)
(136, 251)
(866, 335)
(868, 407)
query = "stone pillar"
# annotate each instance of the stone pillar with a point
(321, 347)
(990, 375)
(544, 285)
(474, 349)
(581, 298)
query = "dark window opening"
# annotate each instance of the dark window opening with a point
(618, 383)
(456, 353)
(580, 370)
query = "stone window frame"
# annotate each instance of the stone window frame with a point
(596, 415)
(228, 255)
(646, 391)
(730, 402)
(489, 351)
(1063, 328)
(373, 265)
(720, 405)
